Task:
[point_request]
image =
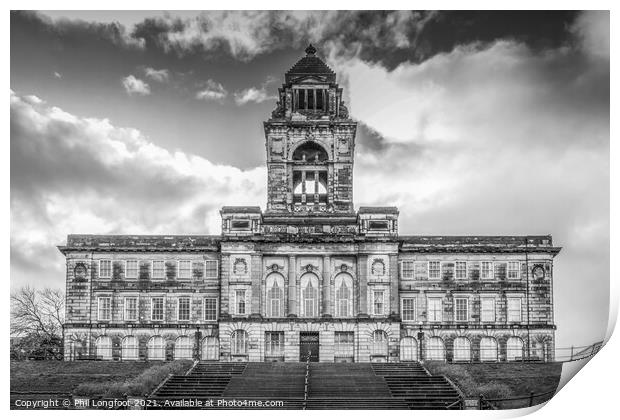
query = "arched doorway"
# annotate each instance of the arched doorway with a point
(408, 349)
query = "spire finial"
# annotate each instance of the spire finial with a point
(310, 50)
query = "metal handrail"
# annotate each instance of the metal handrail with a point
(456, 403)
(306, 381)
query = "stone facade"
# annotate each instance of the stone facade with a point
(310, 276)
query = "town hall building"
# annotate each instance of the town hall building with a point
(309, 276)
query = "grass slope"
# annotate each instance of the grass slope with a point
(502, 380)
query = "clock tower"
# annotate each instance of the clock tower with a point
(310, 143)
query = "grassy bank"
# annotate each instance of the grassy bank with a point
(502, 380)
(139, 385)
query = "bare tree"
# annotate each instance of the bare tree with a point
(37, 317)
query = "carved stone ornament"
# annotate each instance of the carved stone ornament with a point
(378, 267)
(344, 111)
(277, 146)
(538, 272)
(80, 271)
(278, 112)
(310, 267)
(240, 266)
(275, 267)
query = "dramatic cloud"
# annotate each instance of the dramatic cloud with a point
(211, 91)
(136, 86)
(83, 175)
(246, 34)
(76, 29)
(57, 75)
(253, 94)
(498, 139)
(160, 76)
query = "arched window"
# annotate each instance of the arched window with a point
(379, 343)
(514, 349)
(183, 348)
(435, 349)
(275, 295)
(462, 350)
(156, 348)
(344, 295)
(129, 348)
(408, 349)
(488, 349)
(239, 343)
(310, 152)
(210, 348)
(103, 346)
(310, 295)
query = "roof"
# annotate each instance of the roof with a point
(478, 244)
(379, 210)
(308, 66)
(142, 243)
(240, 209)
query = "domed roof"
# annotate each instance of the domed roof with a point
(310, 65)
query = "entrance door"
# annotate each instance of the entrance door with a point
(309, 345)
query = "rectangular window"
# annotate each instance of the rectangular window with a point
(105, 309)
(421, 270)
(185, 269)
(514, 309)
(301, 95)
(211, 269)
(487, 310)
(184, 310)
(105, 269)
(435, 310)
(240, 297)
(514, 270)
(157, 309)
(408, 310)
(377, 299)
(407, 269)
(198, 270)
(131, 309)
(461, 312)
(159, 269)
(274, 343)
(210, 313)
(131, 269)
(461, 270)
(319, 99)
(434, 270)
(487, 270)
(501, 269)
(447, 271)
(343, 343)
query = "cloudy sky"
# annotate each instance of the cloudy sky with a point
(469, 122)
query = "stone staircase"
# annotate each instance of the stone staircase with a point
(204, 380)
(331, 386)
(414, 385)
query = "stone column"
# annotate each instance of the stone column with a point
(328, 302)
(393, 272)
(256, 274)
(292, 286)
(362, 265)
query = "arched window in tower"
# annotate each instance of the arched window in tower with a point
(310, 295)
(344, 294)
(310, 152)
(275, 294)
(310, 174)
